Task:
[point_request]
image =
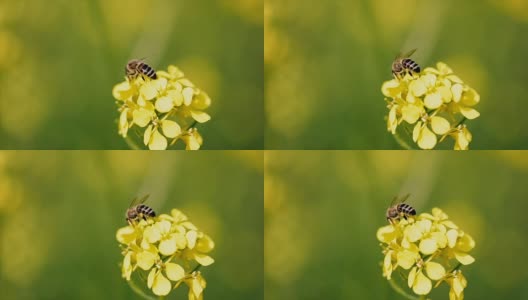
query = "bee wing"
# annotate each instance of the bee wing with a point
(404, 198)
(408, 54)
(397, 199)
(138, 200)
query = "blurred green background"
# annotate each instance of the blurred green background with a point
(325, 62)
(60, 59)
(59, 213)
(323, 208)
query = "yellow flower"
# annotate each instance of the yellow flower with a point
(426, 246)
(163, 110)
(431, 98)
(196, 285)
(163, 248)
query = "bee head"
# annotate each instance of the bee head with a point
(131, 214)
(392, 212)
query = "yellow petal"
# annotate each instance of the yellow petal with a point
(142, 116)
(174, 271)
(470, 97)
(429, 80)
(146, 259)
(200, 116)
(412, 277)
(205, 244)
(417, 87)
(148, 91)
(440, 238)
(434, 270)
(152, 234)
(469, 113)
(191, 238)
(203, 259)
(412, 233)
(174, 71)
(392, 121)
(170, 128)
(187, 95)
(428, 246)
(440, 125)
(161, 285)
(164, 104)
(157, 141)
(411, 113)
(386, 234)
(387, 264)
(406, 258)
(167, 246)
(201, 101)
(150, 278)
(122, 91)
(176, 96)
(427, 139)
(126, 269)
(445, 92)
(391, 88)
(417, 130)
(147, 135)
(422, 284)
(464, 258)
(466, 243)
(457, 89)
(433, 101)
(443, 68)
(125, 235)
(452, 236)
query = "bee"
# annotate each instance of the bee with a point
(399, 210)
(402, 65)
(137, 210)
(137, 67)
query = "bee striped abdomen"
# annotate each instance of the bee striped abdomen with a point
(148, 71)
(145, 211)
(410, 65)
(406, 209)
(135, 67)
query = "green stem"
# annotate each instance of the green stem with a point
(133, 145)
(140, 292)
(401, 142)
(403, 293)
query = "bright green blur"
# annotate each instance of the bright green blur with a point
(59, 213)
(325, 62)
(323, 209)
(59, 61)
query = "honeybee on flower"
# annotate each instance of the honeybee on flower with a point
(430, 106)
(161, 107)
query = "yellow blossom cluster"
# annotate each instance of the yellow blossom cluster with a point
(163, 110)
(427, 248)
(163, 249)
(436, 102)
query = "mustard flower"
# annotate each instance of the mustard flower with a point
(434, 103)
(427, 248)
(162, 110)
(162, 250)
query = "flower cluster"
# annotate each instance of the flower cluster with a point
(162, 250)
(436, 101)
(163, 110)
(427, 248)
